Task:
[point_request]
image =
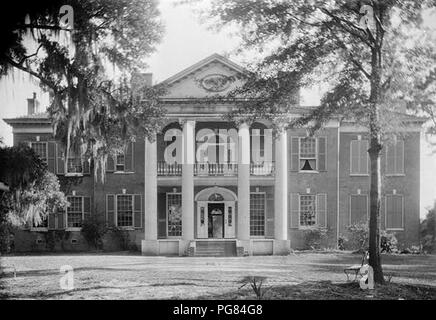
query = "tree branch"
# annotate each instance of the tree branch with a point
(40, 26)
(31, 72)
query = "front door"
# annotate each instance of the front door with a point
(215, 220)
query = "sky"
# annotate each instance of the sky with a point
(186, 41)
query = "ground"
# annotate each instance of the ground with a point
(127, 276)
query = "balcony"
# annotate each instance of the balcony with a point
(215, 169)
(262, 169)
(166, 169)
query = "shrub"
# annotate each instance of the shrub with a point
(314, 237)
(93, 230)
(342, 240)
(122, 237)
(358, 239)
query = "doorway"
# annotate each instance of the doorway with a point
(215, 220)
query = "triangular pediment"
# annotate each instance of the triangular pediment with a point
(215, 75)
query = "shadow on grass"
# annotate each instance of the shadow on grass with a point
(326, 290)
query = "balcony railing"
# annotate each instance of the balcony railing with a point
(215, 169)
(166, 169)
(262, 169)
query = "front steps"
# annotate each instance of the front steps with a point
(215, 248)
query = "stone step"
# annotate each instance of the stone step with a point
(215, 248)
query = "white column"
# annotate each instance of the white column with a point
(188, 180)
(281, 188)
(244, 182)
(150, 190)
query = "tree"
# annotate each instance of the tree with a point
(34, 192)
(376, 57)
(85, 64)
(428, 231)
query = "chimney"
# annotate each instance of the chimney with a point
(140, 80)
(32, 105)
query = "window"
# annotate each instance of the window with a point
(395, 157)
(174, 214)
(257, 214)
(75, 212)
(42, 224)
(74, 165)
(120, 162)
(125, 210)
(394, 212)
(307, 154)
(359, 157)
(307, 210)
(358, 208)
(40, 149)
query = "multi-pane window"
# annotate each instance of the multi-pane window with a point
(395, 157)
(358, 208)
(174, 214)
(43, 223)
(308, 154)
(74, 165)
(257, 214)
(125, 210)
(120, 162)
(359, 157)
(394, 211)
(307, 210)
(40, 149)
(75, 212)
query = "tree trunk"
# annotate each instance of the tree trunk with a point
(374, 218)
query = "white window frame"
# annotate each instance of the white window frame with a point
(316, 155)
(45, 143)
(116, 171)
(166, 215)
(39, 229)
(120, 164)
(132, 227)
(367, 160)
(402, 212)
(264, 215)
(299, 211)
(67, 228)
(73, 174)
(395, 174)
(367, 205)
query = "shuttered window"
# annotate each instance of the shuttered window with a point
(308, 154)
(359, 157)
(78, 210)
(41, 149)
(122, 162)
(358, 208)
(395, 157)
(394, 211)
(124, 210)
(308, 210)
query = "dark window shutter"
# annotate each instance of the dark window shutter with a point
(269, 216)
(321, 208)
(364, 157)
(61, 218)
(137, 211)
(128, 159)
(51, 221)
(85, 166)
(294, 204)
(161, 216)
(110, 164)
(51, 156)
(322, 147)
(295, 153)
(86, 207)
(110, 209)
(400, 157)
(60, 161)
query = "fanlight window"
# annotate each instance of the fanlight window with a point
(216, 197)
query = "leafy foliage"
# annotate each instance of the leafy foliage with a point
(314, 237)
(93, 230)
(357, 238)
(95, 112)
(428, 231)
(34, 191)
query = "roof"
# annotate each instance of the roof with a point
(199, 65)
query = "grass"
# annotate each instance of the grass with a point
(297, 276)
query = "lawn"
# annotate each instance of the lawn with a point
(127, 276)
